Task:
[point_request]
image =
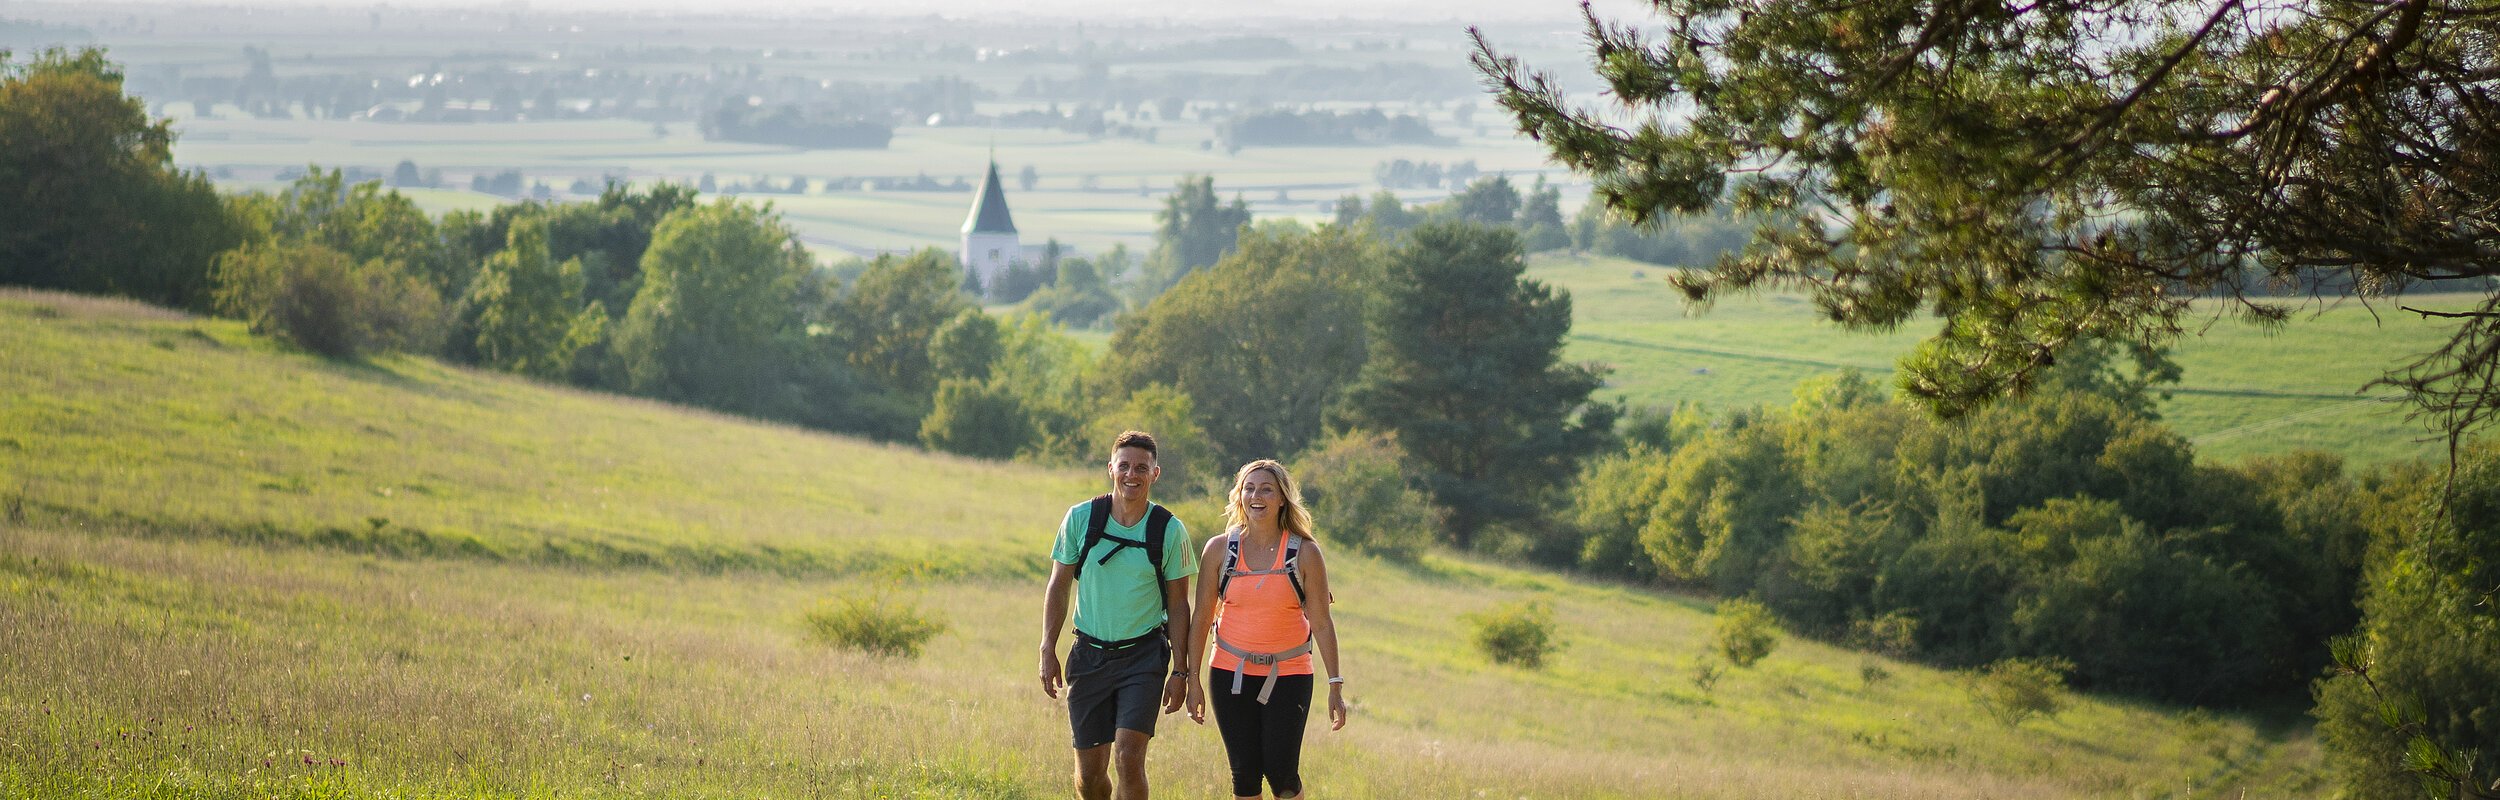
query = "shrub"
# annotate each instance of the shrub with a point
(1893, 634)
(1520, 633)
(1873, 674)
(1360, 496)
(874, 624)
(2017, 689)
(1706, 673)
(1746, 633)
(976, 418)
(323, 301)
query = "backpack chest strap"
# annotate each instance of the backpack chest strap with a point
(1268, 660)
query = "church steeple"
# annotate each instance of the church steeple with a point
(989, 207)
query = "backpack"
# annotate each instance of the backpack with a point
(1098, 516)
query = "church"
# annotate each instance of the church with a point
(990, 242)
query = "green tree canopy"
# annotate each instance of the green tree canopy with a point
(1490, 200)
(1193, 230)
(966, 346)
(1265, 341)
(365, 221)
(892, 313)
(717, 321)
(1465, 368)
(975, 418)
(90, 200)
(2040, 173)
(527, 310)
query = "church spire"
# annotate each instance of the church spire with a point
(989, 206)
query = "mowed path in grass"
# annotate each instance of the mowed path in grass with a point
(2244, 390)
(182, 623)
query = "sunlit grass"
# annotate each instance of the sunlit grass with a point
(196, 426)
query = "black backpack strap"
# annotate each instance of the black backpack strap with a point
(1293, 566)
(1158, 524)
(1232, 561)
(1098, 520)
(1097, 515)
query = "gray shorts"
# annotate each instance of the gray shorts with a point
(1109, 690)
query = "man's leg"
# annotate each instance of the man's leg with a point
(1092, 764)
(1128, 747)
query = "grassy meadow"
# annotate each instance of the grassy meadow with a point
(232, 570)
(2244, 390)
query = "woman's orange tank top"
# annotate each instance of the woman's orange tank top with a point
(1261, 614)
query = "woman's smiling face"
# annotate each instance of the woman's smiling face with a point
(1260, 496)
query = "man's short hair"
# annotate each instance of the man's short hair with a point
(1137, 439)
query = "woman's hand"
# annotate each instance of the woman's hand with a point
(1336, 706)
(1197, 701)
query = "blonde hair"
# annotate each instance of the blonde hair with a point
(1294, 517)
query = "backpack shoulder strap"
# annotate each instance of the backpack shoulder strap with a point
(1232, 562)
(1293, 566)
(1158, 525)
(1097, 514)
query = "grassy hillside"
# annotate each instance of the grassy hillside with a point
(574, 595)
(2245, 390)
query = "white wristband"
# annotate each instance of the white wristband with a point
(1337, 679)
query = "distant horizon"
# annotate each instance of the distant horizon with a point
(1167, 11)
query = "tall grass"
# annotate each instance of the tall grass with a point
(152, 650)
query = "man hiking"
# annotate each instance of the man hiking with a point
(1130, 563)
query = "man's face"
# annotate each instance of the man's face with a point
(1133, 472)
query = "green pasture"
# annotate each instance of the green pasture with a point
(568, 594)
(2245, 390)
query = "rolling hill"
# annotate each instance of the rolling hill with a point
(228, 569)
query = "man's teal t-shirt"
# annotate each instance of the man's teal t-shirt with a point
(1120, 598)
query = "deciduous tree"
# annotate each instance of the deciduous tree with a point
(1266, 341)
(90, 200)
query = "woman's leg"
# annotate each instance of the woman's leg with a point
(1287, 712)
(1238, 719)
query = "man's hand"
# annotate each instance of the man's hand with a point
(1050, 672)
(1175, 692)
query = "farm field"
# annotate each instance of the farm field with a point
(1090, 193)
(232, 570)
(2243, 391)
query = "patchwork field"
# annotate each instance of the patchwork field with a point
(2244, 390)
(231, 570)
(1090, 193)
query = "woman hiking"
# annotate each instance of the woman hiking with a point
(1263, 594)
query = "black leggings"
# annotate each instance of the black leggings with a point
(1262, 740)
